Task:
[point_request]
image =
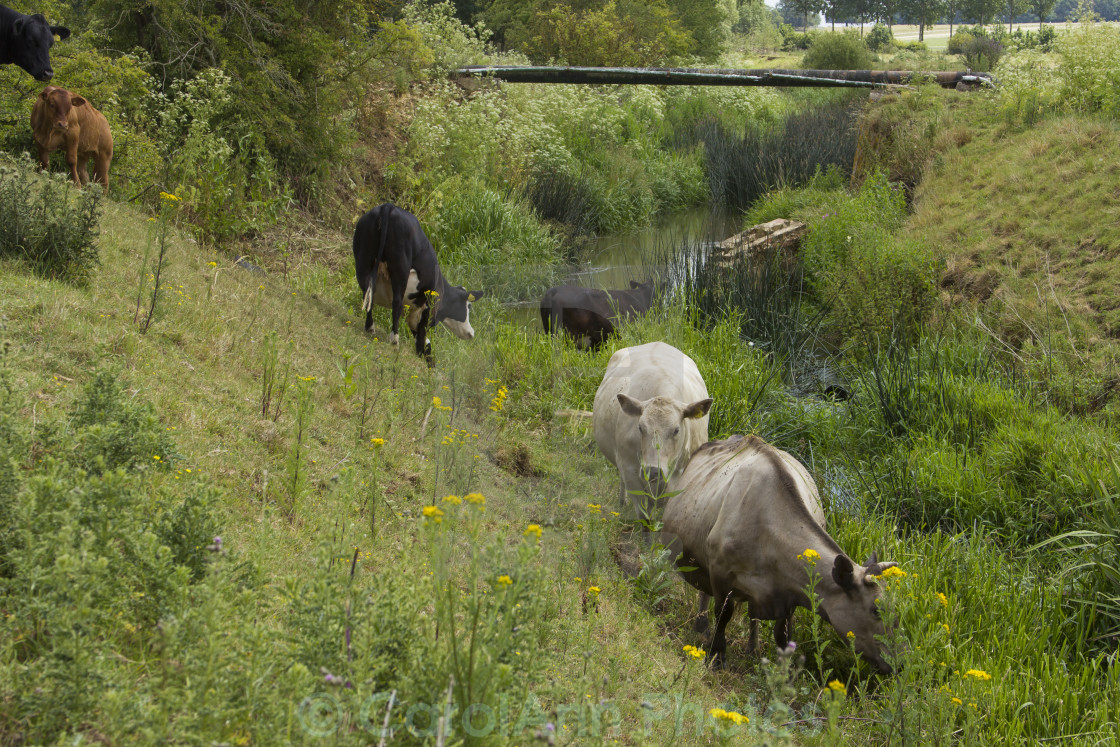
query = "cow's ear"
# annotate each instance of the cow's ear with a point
(634, 285)
(61, 32)
(697, 409)
(474, 295)
(843, 573)
(19, 24)
(77, 101)
(630, 406)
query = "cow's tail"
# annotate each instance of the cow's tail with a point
(383, 219)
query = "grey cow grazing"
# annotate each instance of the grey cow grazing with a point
(745, 512)
(651, 413)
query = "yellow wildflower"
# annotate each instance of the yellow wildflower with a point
(943, 599)
(695, 653)
(851, 635)
(433, 512)
(730, 716)
(893, 572)
(837, 686)
(979, 674)
(454, 500)
(377, 441)
(594, 591)
(505, 580)
(810, 556)
(956, 700)
(534, 529)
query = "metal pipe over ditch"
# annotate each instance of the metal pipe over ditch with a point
(718, 76)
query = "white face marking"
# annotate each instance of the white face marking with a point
(463, 329)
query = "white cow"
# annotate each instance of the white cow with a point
(651, 414)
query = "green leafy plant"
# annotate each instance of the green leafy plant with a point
(49, 225)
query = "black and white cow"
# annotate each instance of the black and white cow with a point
(26, 41)
(395, 263)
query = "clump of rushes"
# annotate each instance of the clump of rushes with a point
(295, 466)
(274, 383)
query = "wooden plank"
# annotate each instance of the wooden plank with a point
(780, 232)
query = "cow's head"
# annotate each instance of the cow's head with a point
(59, 102)
(453, 308)
(664, 440)
(851, 605)
(31, 45)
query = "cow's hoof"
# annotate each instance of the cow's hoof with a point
(717, 661)
(700, 624)
(394, 338)
(369, 327)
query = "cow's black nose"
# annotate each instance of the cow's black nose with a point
(46, 75)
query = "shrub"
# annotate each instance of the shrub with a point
(843, 51)
(1090, 69)
(48, 224)
(876, 285)
(958, 42)
(981, 54)
(880, 38)
(793, 40)
(90, 560)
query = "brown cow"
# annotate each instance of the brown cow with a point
(61, 119)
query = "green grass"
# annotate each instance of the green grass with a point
(122, 619)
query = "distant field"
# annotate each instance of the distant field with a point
(937, 37)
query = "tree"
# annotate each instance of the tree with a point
(800, 8)
(831, 9)
(888, 9)
(1014, 8)
(1042, 8)
(607, 37)
(981, 11)
(924, 12)
(708, 21)
(952, 7)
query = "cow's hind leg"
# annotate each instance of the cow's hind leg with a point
(700, 623)
(420, 332)
(717, 649)
(783, 627)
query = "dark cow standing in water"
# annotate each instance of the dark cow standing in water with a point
(592, 313)
(395, 263)
(26, 41)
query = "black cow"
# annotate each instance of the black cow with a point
(395, 263)
(592, 313)
(26, 41)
